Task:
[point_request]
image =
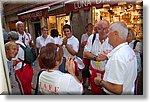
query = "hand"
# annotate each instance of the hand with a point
(31, 43)
(70, 65)
(65, 41)
(97, 80)
(101, 57)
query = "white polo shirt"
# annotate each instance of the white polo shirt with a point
(40, 41)
(73, 42)
(121, 68)
(96, 49)
(58, 40)
(56, 82)
(138, 46)
(84, 37)
(26, 37)
(20, 54)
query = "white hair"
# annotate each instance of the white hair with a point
(121, 28)
(17, 23)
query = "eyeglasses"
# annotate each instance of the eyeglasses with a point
(101, 28)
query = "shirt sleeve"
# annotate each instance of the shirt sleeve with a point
(37, 43)
(139, 47)
(82, 38)
(76, 45)
(88, 46)
(115, 72)
(75, 87)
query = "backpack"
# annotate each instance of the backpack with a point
(29, 54)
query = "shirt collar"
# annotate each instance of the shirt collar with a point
(116, 49)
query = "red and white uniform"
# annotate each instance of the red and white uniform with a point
(97, 67)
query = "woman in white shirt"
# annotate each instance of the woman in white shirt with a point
(53, 81)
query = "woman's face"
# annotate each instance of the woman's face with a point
(67, 32)
(12, 52)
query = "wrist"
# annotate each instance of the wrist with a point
(95, 58)
(101, 82)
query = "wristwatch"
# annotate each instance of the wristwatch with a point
(95, 58)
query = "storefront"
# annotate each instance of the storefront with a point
(127, 11)
(130, 13)
(58, 18)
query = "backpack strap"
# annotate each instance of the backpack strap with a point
(24, 55)
(134, 44)
(28, 35)
(37, 82)
(93, 38)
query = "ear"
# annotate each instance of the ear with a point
(116, 33)
(58, 63)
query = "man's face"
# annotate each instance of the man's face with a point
(111, 36)
(103, 29)
(21, 28)
(67, 32)
(45, 31)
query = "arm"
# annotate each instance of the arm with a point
(114, 88)
(71, 68)
(70, 50)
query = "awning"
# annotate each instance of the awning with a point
(37, 12)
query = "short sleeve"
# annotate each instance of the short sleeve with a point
(37, 43)
(74, 87)
(88, 46)
(117, 66)
(76, 45)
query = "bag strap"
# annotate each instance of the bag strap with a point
(28, 35)
(93, 38)
(37, 83)
(134, 44)
(24, 56)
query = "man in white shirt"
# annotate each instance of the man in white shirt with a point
(70, 45)
(84, 38)
(24, 71)
(44, 38)
(93, 51)
(54, 34)
(120, 71)
(24, 37)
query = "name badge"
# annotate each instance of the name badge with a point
(98, 64)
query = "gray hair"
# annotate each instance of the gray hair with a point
(13, 35)
(121, 28)
(17, 23)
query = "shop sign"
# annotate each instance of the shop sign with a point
(84, 4)
(34, 15)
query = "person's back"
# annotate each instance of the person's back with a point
(52, 80)
(56, 82)
(125, 57)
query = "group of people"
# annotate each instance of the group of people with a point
(110, 64)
